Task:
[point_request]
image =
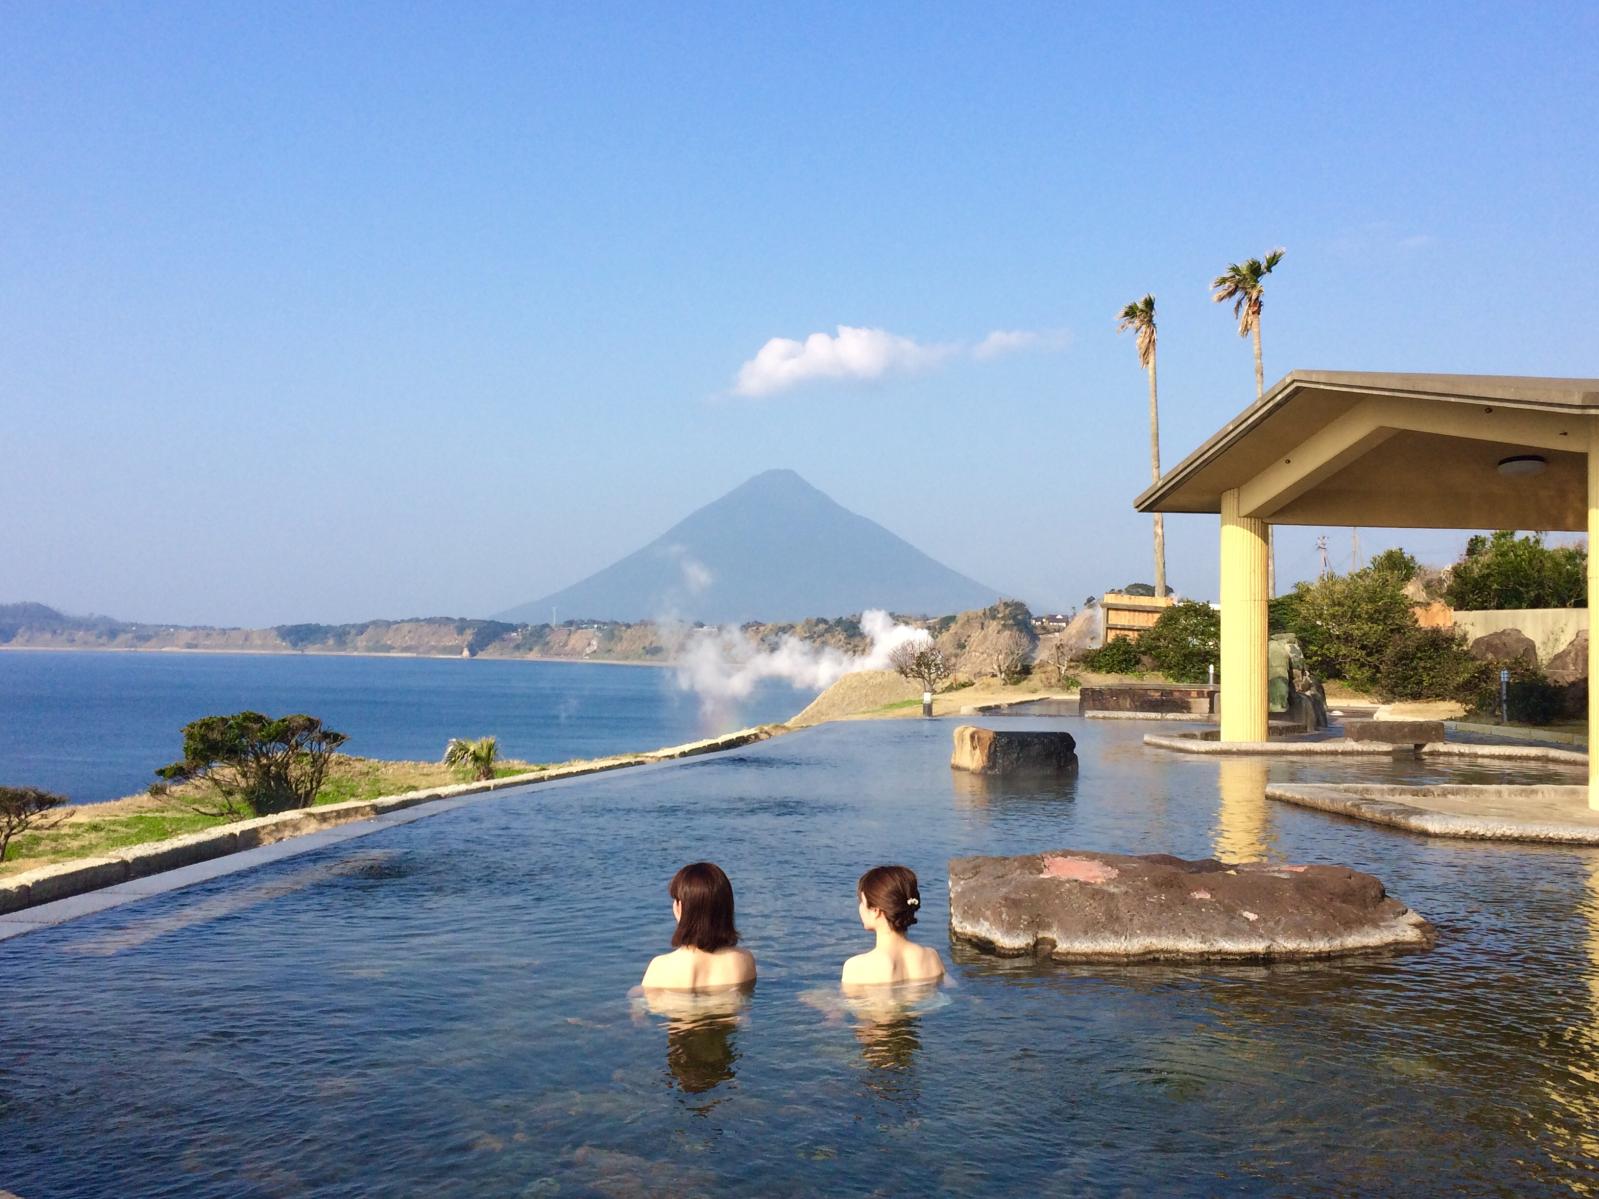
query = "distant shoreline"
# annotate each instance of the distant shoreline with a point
(318, 653)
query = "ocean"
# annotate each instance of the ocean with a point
(94, 725)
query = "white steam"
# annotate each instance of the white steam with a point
(723, 666)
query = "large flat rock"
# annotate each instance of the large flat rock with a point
(1077, 905)
(988, 751)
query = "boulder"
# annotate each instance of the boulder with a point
(1077, 905)
(1509, 646)
(1570, 665)
(985, 751)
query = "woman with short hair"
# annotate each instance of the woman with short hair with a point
(706, 954)
(888, 900)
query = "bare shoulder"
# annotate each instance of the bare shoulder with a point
(932, 964)
(660, 971)
(857, 968)
(745, 964)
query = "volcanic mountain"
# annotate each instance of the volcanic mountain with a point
(772, 549)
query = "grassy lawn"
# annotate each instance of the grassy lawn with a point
(92, 830)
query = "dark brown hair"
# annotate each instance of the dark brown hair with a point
(892, 891)
(707, 899)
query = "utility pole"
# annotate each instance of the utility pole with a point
(1321, 549)
(1354, 549)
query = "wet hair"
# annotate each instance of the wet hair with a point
(892, 891)
(706, 894)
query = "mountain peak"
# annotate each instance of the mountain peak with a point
(774, 548)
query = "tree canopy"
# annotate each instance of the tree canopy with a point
(1506, 571)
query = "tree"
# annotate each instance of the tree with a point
(254, 763)
(1345, 623)
(1506, 571)
(1140, 317)
(1245, 285)
(922, 663)
(1008, 653)
(476, 757)
(1184, 642)
(25, 808)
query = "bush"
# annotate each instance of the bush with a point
(475, 758)
(1432, 664)
(1345, 623)
(1506, 571)
(255, 763)
(1532, 698)
(24, 808)
(1117, 656)
(1184, 642)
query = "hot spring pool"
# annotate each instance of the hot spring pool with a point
(442, 1008)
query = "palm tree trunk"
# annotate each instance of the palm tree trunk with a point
(1154, 473)
(1271, 544)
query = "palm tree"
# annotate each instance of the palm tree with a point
(478, 756)
(1245, 285)
(1140, 317)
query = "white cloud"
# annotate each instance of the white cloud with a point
(1008, 341)
(869, 354)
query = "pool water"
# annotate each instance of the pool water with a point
(443, 1008)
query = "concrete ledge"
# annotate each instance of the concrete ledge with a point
(1512, 732)
(1194, 745)
(157, 856)
(1337, 747)
(64, 879)
(1479, 813)
(1190, 717)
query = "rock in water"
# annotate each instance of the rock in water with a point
(1077, 905)
(985, 751)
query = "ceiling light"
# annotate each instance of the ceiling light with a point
(1523, 465)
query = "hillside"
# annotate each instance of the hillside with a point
(773, 549)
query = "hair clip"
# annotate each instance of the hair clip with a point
(913, 902)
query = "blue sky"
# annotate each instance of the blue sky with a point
(332, 312)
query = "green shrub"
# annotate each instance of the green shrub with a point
(1506, 571)
(1184, 642)
(25, 808)
(1345, 623)
(1117, 656)
(1431, 664)
(474, 758)
(1531, 697)
(255, 763)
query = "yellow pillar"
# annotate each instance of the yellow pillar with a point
(1243, 623)
(1593, 608)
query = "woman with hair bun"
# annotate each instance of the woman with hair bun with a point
(706, 954)
(888, 903)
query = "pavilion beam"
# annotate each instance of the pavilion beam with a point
(1593, 607)
(1483, 422)
(1320, 456)
(1243, 622)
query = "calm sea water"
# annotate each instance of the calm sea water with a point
(442, 1009)
(94, 725)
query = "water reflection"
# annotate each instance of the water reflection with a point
(701, 1049)
(980, 791)
(1243, 823)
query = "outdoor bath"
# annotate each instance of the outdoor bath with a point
(443, 1007)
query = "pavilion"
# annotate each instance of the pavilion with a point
(1385, 451)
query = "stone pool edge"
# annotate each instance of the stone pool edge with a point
(156, 866)
(1377, 803)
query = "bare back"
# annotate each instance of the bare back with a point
(689, 969)
(901, 961)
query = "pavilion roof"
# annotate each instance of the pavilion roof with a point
(1396, 450)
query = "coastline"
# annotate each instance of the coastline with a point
(325, 653)
(49, 894)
